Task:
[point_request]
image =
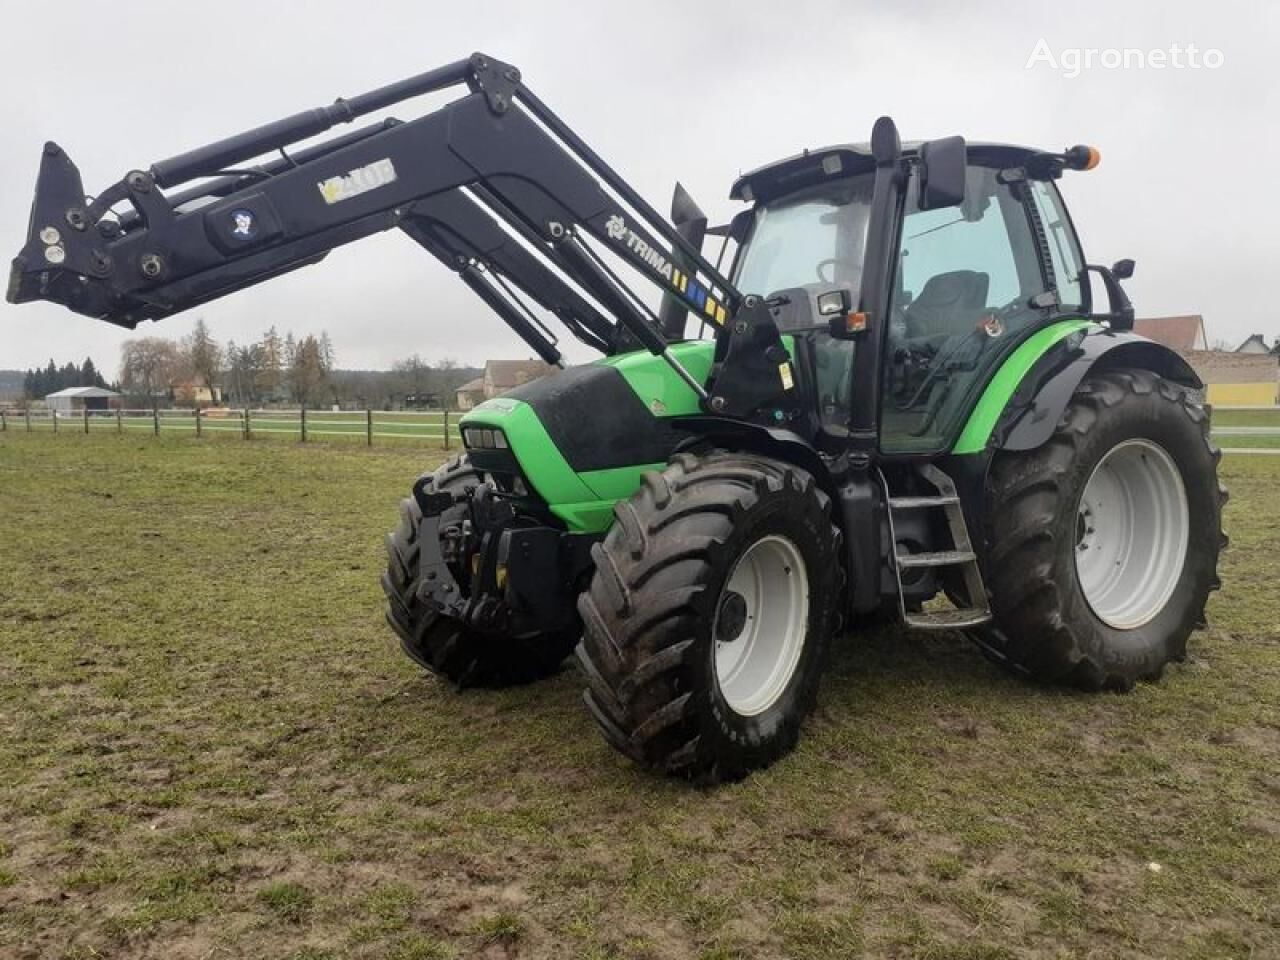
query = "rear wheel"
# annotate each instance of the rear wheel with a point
(1105, 541)
(443, 645)
(708, 618)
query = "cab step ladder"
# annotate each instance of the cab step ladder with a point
(960, 554)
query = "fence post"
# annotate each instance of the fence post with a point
(368, 426)
(86, 420)
(119, 420)
(155, 419)
(4, 422)
(198, 423)
(247, 432)
(446, 428)
(27, 411)
(54, 414)
(302, 424)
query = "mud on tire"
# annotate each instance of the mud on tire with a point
(443, 645)
(648, 652)
(1045, 626)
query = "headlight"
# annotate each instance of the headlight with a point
(484, 438)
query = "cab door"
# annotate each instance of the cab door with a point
(971, 283)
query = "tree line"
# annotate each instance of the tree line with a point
(280, 369)
(289, 369)
(194, 370)
(51, 379)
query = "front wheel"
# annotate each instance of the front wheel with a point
(708, 619)
(1104, 542)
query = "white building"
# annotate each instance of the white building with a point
(73, 401)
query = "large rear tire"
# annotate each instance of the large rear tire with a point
(443, 645)
(707, 622)
(1104, 541)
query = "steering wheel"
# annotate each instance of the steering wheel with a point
(833, 262)
(944, 348)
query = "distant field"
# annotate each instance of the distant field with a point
(1267, 421)
(1246, 418)
(210, 747)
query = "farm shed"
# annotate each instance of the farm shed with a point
(75, 400)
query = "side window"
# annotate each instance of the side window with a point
(938, 245)
(1064, 249)
(965, 278)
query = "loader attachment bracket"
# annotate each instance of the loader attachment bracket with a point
(754, 378)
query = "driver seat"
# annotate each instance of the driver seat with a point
(949, 304)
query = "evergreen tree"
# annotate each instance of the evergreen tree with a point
(202, 355)
(269, 364)
(89, 375)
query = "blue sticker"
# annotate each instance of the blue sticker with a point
(244, 225)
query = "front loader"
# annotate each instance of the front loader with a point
(897, 395)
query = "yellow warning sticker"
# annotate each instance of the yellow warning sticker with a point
(784, 371)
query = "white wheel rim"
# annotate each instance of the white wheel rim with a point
(759, 638)
(1132, 530)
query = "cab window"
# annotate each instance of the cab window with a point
(964, 287)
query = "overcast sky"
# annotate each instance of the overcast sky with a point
(1189, 183)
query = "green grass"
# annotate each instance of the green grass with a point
(1247, 418)
(1246, 442)
(1226, 417)
(210, 746)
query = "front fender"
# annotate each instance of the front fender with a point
(1037, 405)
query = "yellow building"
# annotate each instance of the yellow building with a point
(1237, 379)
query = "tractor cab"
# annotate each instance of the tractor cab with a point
(970, 280)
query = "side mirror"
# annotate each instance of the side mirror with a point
(942, 173)
(1119, 315)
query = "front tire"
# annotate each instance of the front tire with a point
(707, 622)
(444, 646)
(1105, 541)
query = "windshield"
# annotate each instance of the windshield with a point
(812, 238)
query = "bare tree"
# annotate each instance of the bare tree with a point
(150, 365)
(413, 378)
(327, 355)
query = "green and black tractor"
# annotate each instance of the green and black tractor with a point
(891, 392)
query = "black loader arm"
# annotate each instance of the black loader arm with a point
(493, 184)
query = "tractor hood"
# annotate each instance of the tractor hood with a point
(581, 438)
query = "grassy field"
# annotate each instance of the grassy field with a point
(1249, 420)
(1227, 417)
(210, 747)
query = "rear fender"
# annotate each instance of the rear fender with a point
(1037, 405)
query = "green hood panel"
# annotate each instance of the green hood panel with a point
(584, 498)
(660, 387)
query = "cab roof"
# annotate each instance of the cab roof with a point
(784, 176)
